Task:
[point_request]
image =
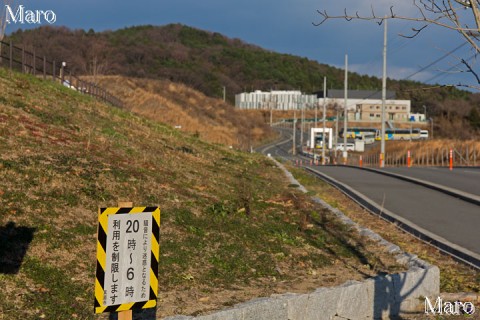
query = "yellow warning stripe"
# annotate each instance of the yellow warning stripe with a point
(109, 211)
(150, 304)
(156, 216)
(155, 248)
(125, 306)
(154, 282)
(101, 257)
(98, 292)
(100, 309)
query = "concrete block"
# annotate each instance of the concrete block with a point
(322, 304)
(406, 259)
(392, 248)
(411, 285)
(355, 301)
(229, 314)
(421, 264)
(369, 233)
(383, 297)
(264, 308)
(296, 305)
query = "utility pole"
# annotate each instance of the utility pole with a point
(294, 151)
(301, 126)
(324, 119)
(224, 93)
(273, 101)
(345, 153)
(384, 94)
(336, 129)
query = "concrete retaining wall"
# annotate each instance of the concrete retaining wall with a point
(376, 298)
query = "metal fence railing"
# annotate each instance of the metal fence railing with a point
(19, 59)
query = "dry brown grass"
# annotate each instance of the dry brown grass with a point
(433, 152)
(178, 105)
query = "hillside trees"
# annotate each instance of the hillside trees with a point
(206, 61)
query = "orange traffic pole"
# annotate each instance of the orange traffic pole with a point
(409, 159)
(451, 159)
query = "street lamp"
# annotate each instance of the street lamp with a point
(62, 72)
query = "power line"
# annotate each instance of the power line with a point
(444, 73)
(436, 61)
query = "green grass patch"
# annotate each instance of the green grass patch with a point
(56, 297)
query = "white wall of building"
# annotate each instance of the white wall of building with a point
(352, 104)
(417, 117)
(277, 100)
(295, 100)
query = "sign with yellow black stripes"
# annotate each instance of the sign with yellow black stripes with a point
(127, 259)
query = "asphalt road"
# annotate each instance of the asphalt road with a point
(447, 217)
(281, 148)
(463, 179)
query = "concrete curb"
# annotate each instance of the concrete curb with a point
(376, 298)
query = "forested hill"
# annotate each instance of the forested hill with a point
(204, 60)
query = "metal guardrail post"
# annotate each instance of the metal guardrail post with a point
(23, 59)
(34, 63)
(11, 55)
(85, 87)
(53, 70)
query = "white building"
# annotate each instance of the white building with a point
(362, 105)
(417, 117)
(277, 100)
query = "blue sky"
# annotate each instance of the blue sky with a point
(285, 26)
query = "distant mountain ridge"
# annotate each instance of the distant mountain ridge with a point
(206, 61)
(209, 61)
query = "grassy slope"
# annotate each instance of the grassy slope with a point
(176, 104)
(229, 221)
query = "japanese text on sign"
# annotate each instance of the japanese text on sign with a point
(128, 258)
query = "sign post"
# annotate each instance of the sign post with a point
(127, 259)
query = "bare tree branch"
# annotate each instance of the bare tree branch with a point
(432, 12)
(454, 15)
(469, 68)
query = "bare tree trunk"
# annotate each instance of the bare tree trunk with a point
(3, 20)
